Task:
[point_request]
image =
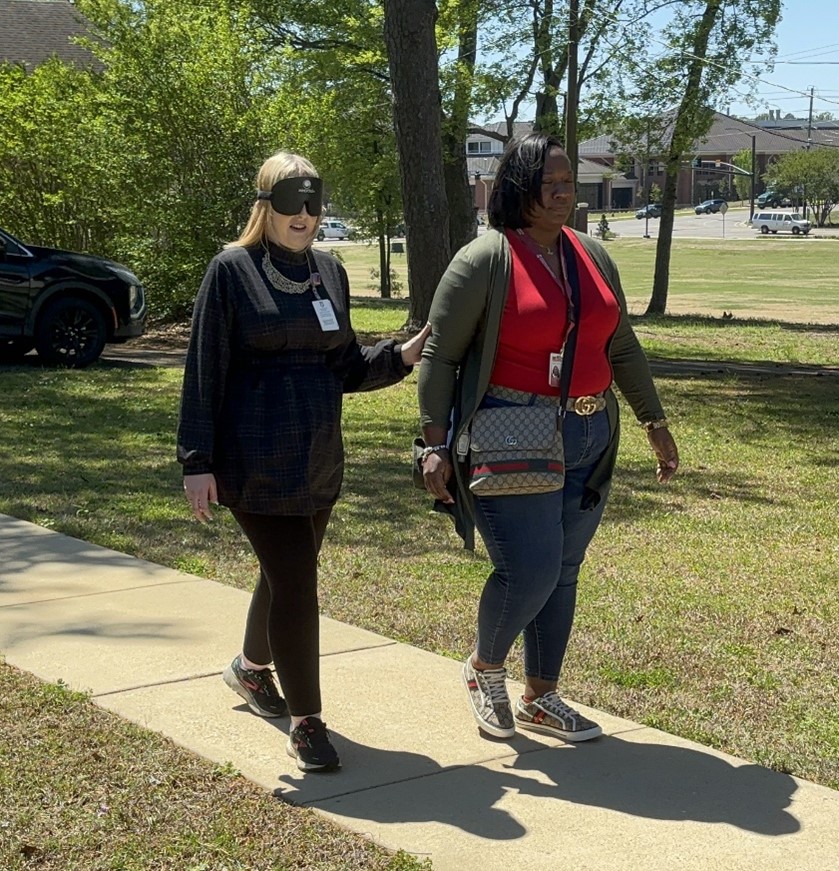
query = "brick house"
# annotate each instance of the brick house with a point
(597, 183)
(725, 138)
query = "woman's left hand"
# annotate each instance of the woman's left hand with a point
(412, 349)
(667, 454)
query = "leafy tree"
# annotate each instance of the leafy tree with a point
(57, 189)
(525, 53)
(705, 43)
(334, 54)
(814, 174)
(180, 83)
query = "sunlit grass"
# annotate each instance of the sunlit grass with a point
(708, 608)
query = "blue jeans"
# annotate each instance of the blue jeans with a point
(537, 544)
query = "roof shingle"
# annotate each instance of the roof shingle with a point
(33, 31)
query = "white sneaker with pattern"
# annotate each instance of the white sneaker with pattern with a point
(489, 700)
(551, 716)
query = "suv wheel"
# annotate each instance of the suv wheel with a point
(11, 350)
(320, 236)
(796, 231)
(765, 230)
(71, 332)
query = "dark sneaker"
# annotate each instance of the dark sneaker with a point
(309, 744)
(490, 702)
(550, 715)
(257, 688)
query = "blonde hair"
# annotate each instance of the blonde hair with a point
(278, 166)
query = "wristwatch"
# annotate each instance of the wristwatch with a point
(650, 425)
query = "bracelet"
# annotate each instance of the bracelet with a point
(650, 425)
(431, 449)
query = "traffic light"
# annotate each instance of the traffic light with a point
(696, 163)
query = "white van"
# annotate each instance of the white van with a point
(785, 222)
(330, 228)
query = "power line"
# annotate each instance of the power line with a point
(833, 45)
(814, 52)
(706, 62)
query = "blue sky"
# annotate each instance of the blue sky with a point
(809, 31)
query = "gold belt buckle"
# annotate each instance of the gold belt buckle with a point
(585, 405)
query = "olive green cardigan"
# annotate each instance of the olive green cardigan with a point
(460, 353)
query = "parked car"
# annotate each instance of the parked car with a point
(651, 210)
(64, 304)
(770, 199)
(330, 228)
(708, 206)
(781, 222)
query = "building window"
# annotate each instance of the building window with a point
(486, 147)
(472, 147)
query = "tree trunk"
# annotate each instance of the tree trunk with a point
(692, 105)
(412, 56)
(461, 198)
(572, 147)
(547, 118)
(661, 281)
(384, 257)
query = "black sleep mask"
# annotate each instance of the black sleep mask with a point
(289, 195)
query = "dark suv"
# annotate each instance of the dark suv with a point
(64, 304)
(708, 206)
(773, 200)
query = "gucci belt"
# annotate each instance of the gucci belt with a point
(586, 405)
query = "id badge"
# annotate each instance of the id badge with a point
(555, 369)
(326, 315)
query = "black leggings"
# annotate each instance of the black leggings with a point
(282, 622)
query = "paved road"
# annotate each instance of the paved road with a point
(732, 225)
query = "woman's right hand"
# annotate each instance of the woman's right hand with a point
(200, 492)
(437, 470)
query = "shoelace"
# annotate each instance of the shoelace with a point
(265, 681)
(553, 703)
(496, 685)
(315, 731)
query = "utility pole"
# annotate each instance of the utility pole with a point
(754, 173)
(573, 98)
(809, 144)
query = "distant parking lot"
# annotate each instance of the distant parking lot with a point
(733, 225)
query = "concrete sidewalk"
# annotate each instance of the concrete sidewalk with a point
(150, 643)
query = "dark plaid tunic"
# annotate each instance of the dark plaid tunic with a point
(263, 383)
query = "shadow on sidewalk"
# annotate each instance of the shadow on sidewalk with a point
(654, 781)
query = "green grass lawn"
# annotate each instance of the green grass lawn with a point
(783, 279)
(708, 608)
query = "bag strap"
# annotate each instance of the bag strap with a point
(573, 276)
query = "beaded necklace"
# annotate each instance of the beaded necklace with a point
(280, 282)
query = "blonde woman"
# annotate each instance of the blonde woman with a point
(271, 353)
